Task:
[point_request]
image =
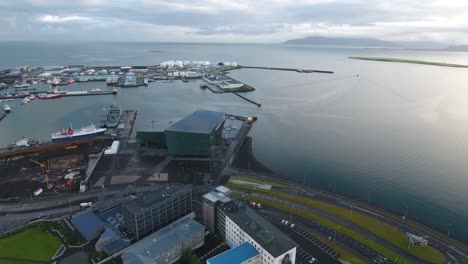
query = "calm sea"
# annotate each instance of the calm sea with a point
(395, 135)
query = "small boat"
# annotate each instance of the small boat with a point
(55, 82)
(71, 81)
(32, 97)
(6, 108)
(26, 100)
(3, 86)
(82, 79)
(49, 96)
(24, 85)
(49, 81)
(96, 90)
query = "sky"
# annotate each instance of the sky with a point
(245, 21)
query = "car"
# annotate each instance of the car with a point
(292, 226)
(312, 260)
(207, 232)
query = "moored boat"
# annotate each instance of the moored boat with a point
(49, 96)
(70, 134)
(7, 108)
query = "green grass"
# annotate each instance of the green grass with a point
(328, 223)
(383, 230)
(411, 61)
(34, 242)
(242, 89)
(261, 181)
(228, 68)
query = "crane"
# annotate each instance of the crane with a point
(43, 166)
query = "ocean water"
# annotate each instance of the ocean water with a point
(395, 135)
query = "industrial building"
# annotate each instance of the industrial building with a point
(167, 245)
(242, 254)
(151, 212)
(237, 224)
(197, 134)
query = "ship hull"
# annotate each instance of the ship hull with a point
(77, 136)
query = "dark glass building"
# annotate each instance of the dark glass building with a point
(153, 211)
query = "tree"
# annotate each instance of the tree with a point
(188, 257)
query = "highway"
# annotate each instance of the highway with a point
(452, 253)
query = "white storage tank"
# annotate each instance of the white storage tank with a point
(227, 64)
(187, 63)
(179, 64)
(234, 64)
(206, 63)
(170, 64)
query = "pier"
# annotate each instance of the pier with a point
(247, 99)
(286, 69)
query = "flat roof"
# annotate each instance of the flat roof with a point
(159, 242)
(235, 255)
(263, 232)
(155, 197)
(88, 224)
(213, 197)
(223, 189)
(200, 121)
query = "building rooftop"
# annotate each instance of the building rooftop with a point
(88, 224)
(200, 121)
(155, 197)
(235, 255)
(264, 233)
(223, 189)
(213, 197)
(159, 242)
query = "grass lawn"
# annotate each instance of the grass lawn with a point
(411, 61)
(385, 231)
(261, 181)
(34, 242)
(244, 88)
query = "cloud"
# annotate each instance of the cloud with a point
(238, 21)
(61, 19)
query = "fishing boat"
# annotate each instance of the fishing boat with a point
(70, 134)
(32, 97)
(111, 118)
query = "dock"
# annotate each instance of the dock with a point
(2, 114)
(10, 152)
(78, 93)
(286, 69)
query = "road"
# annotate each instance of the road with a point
(452, 253)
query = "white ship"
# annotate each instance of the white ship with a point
(6, 108)
(70, 134)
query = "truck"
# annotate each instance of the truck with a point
(85, 205)
(37, 192)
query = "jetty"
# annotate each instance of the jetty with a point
(247, 99)
(286, 69)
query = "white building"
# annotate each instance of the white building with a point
(238, 224)
(229, 84)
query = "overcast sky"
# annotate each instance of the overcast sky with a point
(233, 21)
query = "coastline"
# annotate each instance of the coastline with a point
(247, 164)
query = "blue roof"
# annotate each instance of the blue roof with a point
(88, 224)
(235, 255)
(200, 121)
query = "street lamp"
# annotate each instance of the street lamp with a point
(334, 237)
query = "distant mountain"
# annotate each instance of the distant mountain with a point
(337, 41)
(457, 48)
